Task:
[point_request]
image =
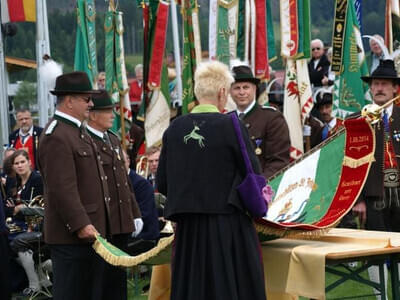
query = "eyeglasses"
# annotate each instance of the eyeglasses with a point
(86, 99)
(316, 48)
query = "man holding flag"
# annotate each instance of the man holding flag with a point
(378, 206)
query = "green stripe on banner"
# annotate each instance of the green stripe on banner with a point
(241, 34)
(303, 193)
(327, 179)
(300, 18)
(270, 34)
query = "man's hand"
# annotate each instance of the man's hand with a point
(88, 232)
(360, 210)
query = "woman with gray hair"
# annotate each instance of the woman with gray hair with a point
(217, 253)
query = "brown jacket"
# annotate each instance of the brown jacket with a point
(269, 132)
(75, 189)
(123, 205)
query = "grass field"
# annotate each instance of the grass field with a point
(348, 290)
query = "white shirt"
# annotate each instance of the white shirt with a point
(332, 124)
(316, 63)
(30, 132)
(247, 109)
(95, 132)
(68, 117)
(389, 110)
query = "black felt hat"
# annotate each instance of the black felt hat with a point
(385, 70)
(102, 101)
(244, 74)
(325, 98)
(73, 83)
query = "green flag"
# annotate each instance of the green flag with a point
(155, 108)
(350, 90)
(116, 81)
(270, 34)
(189, 12)
(85, 46)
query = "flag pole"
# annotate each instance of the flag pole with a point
(4, 117)
(177, 56)
(42, 48)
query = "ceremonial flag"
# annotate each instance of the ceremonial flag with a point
(222, 36)
(348, 62)
(155, 108)
(295, 46)
(116, 81)
(254, 36)
(392, 25)
(85, 45)
(295, 28)
(297, 103)
(18, 11)
(318, 190)
(191, 52)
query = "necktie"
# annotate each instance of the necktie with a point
(23, 138)
(106, 139)
(325, 132)
(241, 116)
(386, 121)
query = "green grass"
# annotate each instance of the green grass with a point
(351, 289)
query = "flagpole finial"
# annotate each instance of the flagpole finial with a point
(112, 5)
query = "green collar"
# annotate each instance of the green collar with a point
(205, 108)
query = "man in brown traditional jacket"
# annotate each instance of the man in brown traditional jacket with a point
(77, 202)
(124, 209)
(267, 127)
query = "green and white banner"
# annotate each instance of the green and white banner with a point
(319, 189)
(348, 62)
(116, 81)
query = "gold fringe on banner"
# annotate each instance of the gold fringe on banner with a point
(291, 232)
(116, 257)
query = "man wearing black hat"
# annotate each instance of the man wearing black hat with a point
(324, 106)
(378, 207)
(267, 127)
(124, 218)
(75, 192)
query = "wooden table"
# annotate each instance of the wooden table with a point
(339, 246)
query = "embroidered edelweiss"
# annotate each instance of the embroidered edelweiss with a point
(194, 135)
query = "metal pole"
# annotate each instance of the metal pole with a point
(42, 48)
(4, 116)
(177, 56)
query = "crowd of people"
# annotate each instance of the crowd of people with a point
(89, 185)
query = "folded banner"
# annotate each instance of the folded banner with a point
(160, 254)
(317, 191)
